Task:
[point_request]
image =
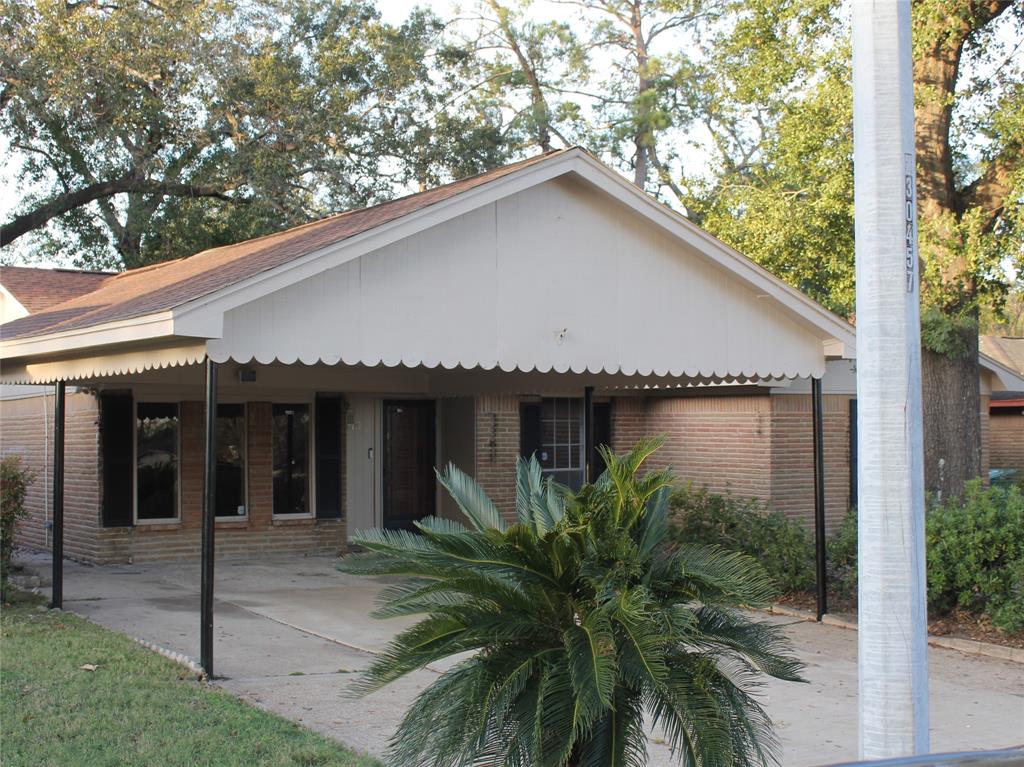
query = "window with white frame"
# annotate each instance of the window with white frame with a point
(561, 440)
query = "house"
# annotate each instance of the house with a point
(25, 291)
(538, 308)
(1006, 409)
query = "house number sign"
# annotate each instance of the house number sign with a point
(908, 208)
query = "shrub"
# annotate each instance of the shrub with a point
(841, 558)
(14, 483)
(783, 546)
(570, 625)
(976, 555)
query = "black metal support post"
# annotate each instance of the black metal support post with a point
(590, 465)
(209, 514)
(57, 548)
(819, 497)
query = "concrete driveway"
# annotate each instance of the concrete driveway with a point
(292, 632)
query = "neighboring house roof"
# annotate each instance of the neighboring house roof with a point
(40, 289)
(168, 284)
(1008, 350)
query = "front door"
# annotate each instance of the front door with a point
(408, 462)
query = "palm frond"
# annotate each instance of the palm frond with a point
(578, 620)
(471, 499)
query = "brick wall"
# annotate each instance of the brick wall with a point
(751, 446)
(792, 450)
(85, 539)
(26, 429)
(497, 447)
(722, 443)
(1007, 441)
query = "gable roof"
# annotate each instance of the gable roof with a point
(1007, 350)
(37, 290)
(168, 284)
(176, 313)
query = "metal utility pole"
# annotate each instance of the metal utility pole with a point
(891, 602)
(209, 517)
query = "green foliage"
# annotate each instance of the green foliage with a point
(136, 709)
(976, 555)
(577, 618)
(224, 120)
(782, 546)
(841, 559)
(974, 552)
(15, 480)
(948, 334)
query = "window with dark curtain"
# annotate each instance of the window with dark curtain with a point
(291, 459)
(231, 461)
(156, 460)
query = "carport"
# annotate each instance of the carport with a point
(552, 279)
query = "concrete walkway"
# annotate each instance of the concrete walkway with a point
(292, 632)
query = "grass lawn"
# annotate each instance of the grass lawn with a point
(136, 708)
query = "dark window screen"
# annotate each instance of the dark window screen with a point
(156, 460)
(116, 427)
(291, 459)
(329, 446)
(230, 460)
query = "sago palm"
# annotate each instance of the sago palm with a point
(575, 622)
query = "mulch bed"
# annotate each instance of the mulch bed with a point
(959, 624)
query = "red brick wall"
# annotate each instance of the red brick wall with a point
(753, 446)
(497, 447)
(1007, 440)
(793, 457)
(629, 422)
(84, 537)
(26, 429)
(722, 443)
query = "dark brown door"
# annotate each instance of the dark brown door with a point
(408, 462)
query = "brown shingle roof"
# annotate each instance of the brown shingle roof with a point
(40, 289)
(165, 285)
(1005, 349)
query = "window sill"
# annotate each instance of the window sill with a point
(297, 522)
(156, 527)
(230, 523)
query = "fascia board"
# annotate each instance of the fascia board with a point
(1009, 378)
(143, 328)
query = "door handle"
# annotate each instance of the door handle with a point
(369, 454)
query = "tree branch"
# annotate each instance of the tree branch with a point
(64, 203)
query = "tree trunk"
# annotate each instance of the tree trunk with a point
(952, 421)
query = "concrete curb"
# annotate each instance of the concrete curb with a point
(177, 657)
(966, 646)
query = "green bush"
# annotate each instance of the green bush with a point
(783, 546)
(976, 555)
(14, 482)
(841, 559)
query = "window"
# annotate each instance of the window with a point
(291, 459)
(231, 461)
(561, 440)
(156, 461)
